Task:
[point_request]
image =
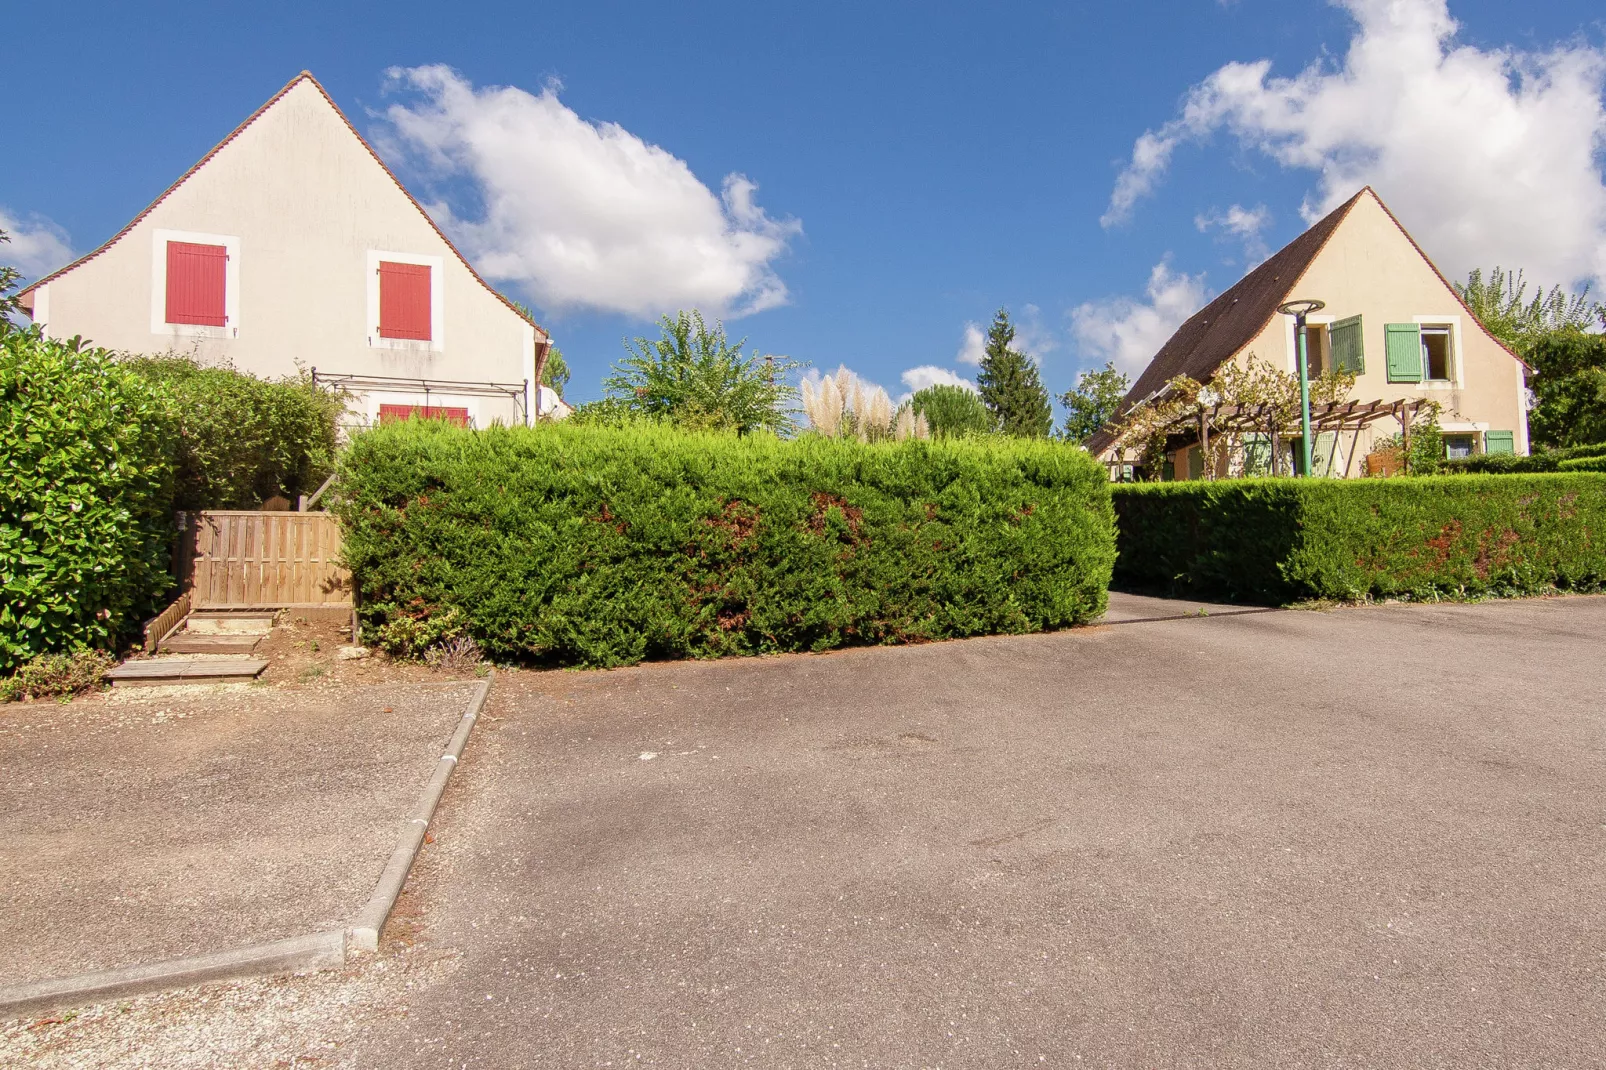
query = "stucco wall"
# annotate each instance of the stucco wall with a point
(1369, 268)
(306, 204)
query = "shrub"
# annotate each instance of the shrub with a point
(1510, 464)
(1583, 464)
(57, 674)
(953, 411)
(85, 498)
(592, 545)
(239, 440)
(1279, 540)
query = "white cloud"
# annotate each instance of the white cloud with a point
(973, 346)
(584, 214)
(1129, 331)
(917, 379)
(1242, 223)
(1488, 156)
(37, 246)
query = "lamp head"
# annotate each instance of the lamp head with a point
(1301, 309)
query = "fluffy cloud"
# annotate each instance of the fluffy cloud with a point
(1129, 331)
(37, 245)
(584, 214)
(917, 379)
(973, 346)
(1244, 224)
(1488, 156)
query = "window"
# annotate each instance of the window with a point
(1316, 350)
(1436, 353)
(451, 414)
(404, 301)
(197, 277)
(1458, 446)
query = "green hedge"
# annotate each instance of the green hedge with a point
(85, 498)
(1511, 464)
(591, 545)
(239, 440)
(1282, 540)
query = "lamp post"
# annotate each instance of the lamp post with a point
(1299, 310)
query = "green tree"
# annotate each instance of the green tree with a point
(952, 411)
(693, 376)
(1569, 385)
(9, 277)
(1094, 402)
(1010, 386)
(1500, 302)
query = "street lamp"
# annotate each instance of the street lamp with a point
(1299, 310)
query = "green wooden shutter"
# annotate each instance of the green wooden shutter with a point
(1324, 457)
(1349, 354)
(1499, 442)
(1257, 454)
(1403, 348)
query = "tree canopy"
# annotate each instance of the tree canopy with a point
(693, 376)
(1094, 402)
(1569, 385)
(1010, 386)
(952, 411)
(1501, 304)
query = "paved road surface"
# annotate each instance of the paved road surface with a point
(1370, 837)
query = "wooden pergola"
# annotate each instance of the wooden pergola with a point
(1325, 417)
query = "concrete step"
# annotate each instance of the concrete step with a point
(188, 642)
(186, 671)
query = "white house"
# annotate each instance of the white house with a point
(291, 246)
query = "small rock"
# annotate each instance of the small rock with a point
(353, 653)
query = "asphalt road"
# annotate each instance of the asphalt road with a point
(1368, 837)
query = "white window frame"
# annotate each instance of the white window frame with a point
(437, 302)
(231, 285)
(1456, 380)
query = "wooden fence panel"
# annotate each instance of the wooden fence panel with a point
(260, 560)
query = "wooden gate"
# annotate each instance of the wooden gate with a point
(260, 560)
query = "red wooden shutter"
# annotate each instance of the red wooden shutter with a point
(450, 413)
(404, 301)
(196, 279)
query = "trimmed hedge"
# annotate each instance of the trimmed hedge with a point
(597, 546)
(1511, 464)
(1282, 540)
(85, 498)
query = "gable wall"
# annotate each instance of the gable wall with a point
(1369, 268)
(308, 203)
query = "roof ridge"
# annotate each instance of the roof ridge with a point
(304, 76)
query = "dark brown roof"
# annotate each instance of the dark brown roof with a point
(1222, 328)
(253, 117)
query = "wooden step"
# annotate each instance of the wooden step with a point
(188, 642)
(225, 623)
(186, 671)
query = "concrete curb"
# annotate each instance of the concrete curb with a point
(316, 951)
(363, 934)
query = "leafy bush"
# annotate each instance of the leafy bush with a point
(85, 498)
(57, 674)
(240, 440)
(592, 545)
(953, 411)
(1280, 540)
(1541, 460)
(1584, 464)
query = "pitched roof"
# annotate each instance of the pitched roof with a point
(1217, 332)
(304, 76)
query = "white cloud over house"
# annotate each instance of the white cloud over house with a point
(37, 246)
(1489, 156)
(1128, 330)
(584, 214)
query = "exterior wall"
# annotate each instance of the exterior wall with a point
(305, 204)
(1369, 268)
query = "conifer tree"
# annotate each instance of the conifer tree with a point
(1010, 386)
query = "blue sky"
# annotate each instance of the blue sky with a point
(905, 168)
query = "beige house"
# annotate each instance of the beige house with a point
(1391, 317)
(291, 246)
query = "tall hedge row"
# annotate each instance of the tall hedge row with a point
(1281, 540)
(597, 546)
(85, 498)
